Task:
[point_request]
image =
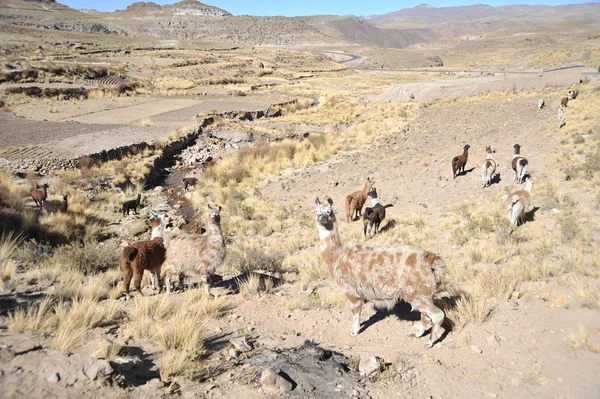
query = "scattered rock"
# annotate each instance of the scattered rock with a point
(541, 103)
(159, 189)
(554, 210)
(241, 344)
(274, 383)
(128, 362)
(54, 378)
(98, 370)
(234, 353)
(368, 365)
(515, 295)
(476, 349)
(516, 381)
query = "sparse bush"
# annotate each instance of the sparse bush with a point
(253, 259)
(91, 258)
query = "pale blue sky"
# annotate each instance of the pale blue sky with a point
(310, 7)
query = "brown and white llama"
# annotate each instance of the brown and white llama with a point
(488, 168)
(356, 200)
(199, 254)
(39, 196)
(459, 162)
(381, 275)
(143, 255)
(518, 202)
(519, 165)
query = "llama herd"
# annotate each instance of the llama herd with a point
(363, 274)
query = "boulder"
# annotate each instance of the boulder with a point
(272, 382)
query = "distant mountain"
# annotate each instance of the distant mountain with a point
(359, 30)
(193, 20)
(185, 7)
(429, 15)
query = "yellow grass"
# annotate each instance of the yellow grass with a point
(38, 318)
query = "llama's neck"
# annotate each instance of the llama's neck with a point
(214, 231)
(366, 189)
(374, 201)
(466, 152)
(528, 187)
(158, 231)
(330, 245)
(489, 155)
(516, 155)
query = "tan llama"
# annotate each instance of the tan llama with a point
(381, 275)
(356, 201)
(199, 254)
(488, 168)
(518, 202)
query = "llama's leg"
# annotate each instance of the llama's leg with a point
(434, 314)
(127, 275)
(137, 280)
(422, 325)
(152, 279)
(181, 281)
(356, 305)
(157, 276)
(206, 281)
(168, 281)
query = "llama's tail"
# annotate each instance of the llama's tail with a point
(127, 256)
(455, 166)
(388, 206)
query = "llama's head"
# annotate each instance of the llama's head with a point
(65, 198)
(489, 150)
(45, 185)
(466, 147)
(214, 214)
(155, 219)
(372, 193)
(324, 213)
(517, 148)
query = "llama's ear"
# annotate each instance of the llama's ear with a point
(219, 208)
(318, 201)
(330, 201)
(209, 207)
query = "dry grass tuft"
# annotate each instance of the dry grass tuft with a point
(467, 309)
(38, 318)
(579, 340)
